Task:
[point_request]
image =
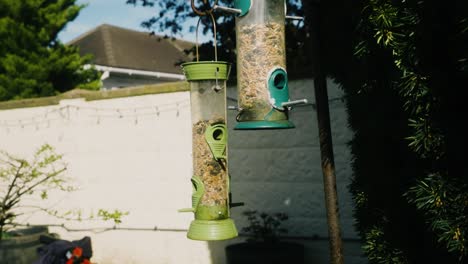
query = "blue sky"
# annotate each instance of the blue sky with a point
(113, 12)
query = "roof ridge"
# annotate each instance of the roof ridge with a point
(105, 25)
(108, 50)
(174, 42)
(83, 35)
(126, 48)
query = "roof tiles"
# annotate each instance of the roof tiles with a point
(124, 48)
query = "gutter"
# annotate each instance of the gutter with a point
(107, 70)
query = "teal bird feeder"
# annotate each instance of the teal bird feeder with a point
(262, 79)
(210, 181)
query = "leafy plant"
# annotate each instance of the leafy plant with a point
(264, 227)
(445, 205)
(21, 179)
(414, 211)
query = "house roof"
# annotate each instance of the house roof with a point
(124, 48)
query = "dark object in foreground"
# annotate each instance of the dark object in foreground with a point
(267, 253)
(20, 246)
(57, 251)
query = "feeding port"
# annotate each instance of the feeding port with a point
(262, 80)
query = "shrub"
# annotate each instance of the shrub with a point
(264, 227)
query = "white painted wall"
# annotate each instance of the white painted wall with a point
(117, 81)
(141, 163)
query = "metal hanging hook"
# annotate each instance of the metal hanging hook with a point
(203, 13)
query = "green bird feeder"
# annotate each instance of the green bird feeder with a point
(210, 198)
(262, 80)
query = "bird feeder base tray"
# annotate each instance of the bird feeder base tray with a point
(263, 124)
(210, 230)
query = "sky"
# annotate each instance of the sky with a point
(117, 13)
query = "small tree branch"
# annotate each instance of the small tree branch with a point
(13, 183)
(45, 179)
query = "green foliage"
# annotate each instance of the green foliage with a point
(379, 250)
(444, 202)
(116, 215)
(395, 28)
(264, 227)
(22, 179)
(33, 62)
(408, 208)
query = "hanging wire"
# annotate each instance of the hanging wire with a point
(202, 14)
(214, 34)
(215, 44)
(196, 39)
(60, 113)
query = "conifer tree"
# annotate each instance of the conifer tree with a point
(33, 62)
(407, 206)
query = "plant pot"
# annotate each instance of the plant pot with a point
(21, 247)
(268, 253)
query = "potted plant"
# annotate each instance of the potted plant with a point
(31, 180)
(264, 243)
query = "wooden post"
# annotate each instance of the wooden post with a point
(328, 169)
(325, 137)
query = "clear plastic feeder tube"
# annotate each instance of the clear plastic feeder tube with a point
(208, 129)
(210, 198)
(261, 62)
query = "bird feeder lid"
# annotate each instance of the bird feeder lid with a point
(206, 70)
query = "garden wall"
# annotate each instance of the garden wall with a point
(130, 149)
